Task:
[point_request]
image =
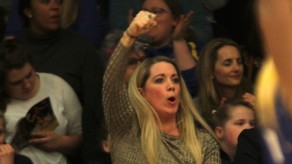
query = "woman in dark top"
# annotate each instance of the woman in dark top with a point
(66, 54)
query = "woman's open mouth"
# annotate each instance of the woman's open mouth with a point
(171, 100)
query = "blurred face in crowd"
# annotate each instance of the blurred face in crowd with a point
(228, 69)
(136, 58)
(162, 89)
(44, 15)
(22, 83)
(162, 32)
(240, 118)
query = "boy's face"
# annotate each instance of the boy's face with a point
(2, 132)
(22, 83)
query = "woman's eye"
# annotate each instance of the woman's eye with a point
(176, 80)
(159, 80)
(227, 63)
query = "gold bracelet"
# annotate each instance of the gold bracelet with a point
(131, 36)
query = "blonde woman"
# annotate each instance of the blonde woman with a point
(155, 122)
(274, 89)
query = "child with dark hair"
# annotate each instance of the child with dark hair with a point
(228, 121)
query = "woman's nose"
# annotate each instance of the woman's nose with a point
(170, 86)
(236, 67)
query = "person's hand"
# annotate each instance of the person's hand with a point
(181, 28)
(6, 154)
(249, 99)
(141, 24)
(48, 141)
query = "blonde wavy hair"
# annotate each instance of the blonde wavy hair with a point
(149, 121)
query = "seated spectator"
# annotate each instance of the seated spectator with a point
(228, 121)
(143, 129)
(221, 71)
(80, 16)
(172, 37)
(169, 38)
(35, 99)
(7, 153)
(237, 20)
(63, 53)
(119, 11)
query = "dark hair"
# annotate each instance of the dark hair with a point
(12, 56)
(222, 114)
(175, 8)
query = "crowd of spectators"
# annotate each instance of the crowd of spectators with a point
(91, 49)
